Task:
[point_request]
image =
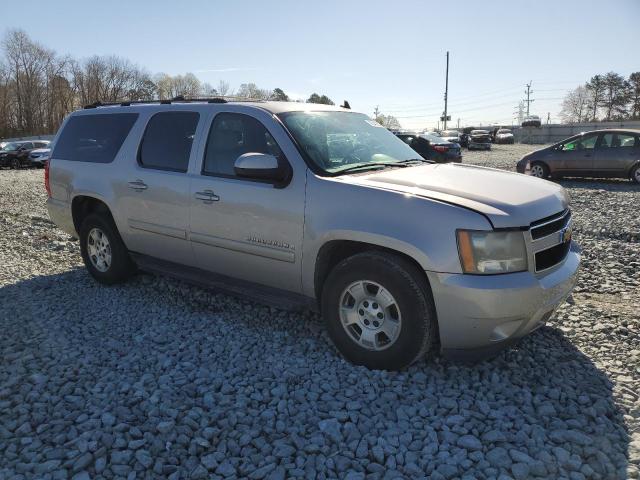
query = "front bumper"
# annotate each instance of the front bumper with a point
(479, 146)
(480, 315)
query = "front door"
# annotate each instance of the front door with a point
(155, 192)
(576, 157)
(615, 154)
(243, 228)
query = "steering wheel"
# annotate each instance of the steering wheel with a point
(357, 155)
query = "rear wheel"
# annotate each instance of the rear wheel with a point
(539, 170)
(635, 174)
(103, 251)
(379, 311)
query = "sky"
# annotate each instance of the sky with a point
(371, 53)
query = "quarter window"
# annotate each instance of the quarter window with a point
(94, 138)
(167, 141)
(232, 135)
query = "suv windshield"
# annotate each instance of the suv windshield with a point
(504, 130)
(337, 141)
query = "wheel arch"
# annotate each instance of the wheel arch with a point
(83, 205)
(334, 251)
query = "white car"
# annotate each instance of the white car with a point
(39, 157)
(531, 121)
(504, 135)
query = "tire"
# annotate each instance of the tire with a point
(119, 266)
(539, 170)
(635, 174)
(15, 163)
(410, 309)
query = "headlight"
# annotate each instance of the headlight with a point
(488, 253)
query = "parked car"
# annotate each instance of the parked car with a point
(398, 253)
(531, 121)
(432, 147)
(39, 156)
(16, 154)
(479, 140)
(599, 153)
(452, 136)
(504, 135)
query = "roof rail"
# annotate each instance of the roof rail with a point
(178, 99)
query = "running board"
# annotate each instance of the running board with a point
(270, 296)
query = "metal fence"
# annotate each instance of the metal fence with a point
(556, 133)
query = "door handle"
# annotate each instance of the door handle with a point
(138, 185)
(207, 196)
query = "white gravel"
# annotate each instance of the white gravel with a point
(159, 378)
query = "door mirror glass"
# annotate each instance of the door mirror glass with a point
(260, 166)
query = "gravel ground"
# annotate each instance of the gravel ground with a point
(158, 378)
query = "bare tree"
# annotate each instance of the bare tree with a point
(388, 121)
(634, 95)
(186, 85)
(252, 92)
(576, 105)
(224, 89)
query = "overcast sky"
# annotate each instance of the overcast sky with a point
(390, 54)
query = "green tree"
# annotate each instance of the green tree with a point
(596, 89)
(278, 95)
(634, 95)
(615, 96)
(323, 99)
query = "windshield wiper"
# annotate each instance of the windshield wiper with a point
(372, 165)
(413, 160)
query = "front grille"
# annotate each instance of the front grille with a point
(551, 239)
(549, 225)
(480, 139)
(551, 256)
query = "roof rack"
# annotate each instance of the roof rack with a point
(178, 99)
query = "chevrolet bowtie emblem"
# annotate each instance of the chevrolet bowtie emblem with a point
(566, 235)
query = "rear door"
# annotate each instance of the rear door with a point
(244, 228)
(576, 157)
(154, 189)
(615, 154)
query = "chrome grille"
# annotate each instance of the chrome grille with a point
(551, 240)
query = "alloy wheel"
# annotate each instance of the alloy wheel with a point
(370, 315)
(537, 171)
(99, 250)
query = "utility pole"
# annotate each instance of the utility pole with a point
(446, 93)
(520, 111)
(458, 123)
(528, 92)
(548, 117)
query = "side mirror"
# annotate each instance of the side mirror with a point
(262, 166)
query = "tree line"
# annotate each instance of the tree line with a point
(605, 97)
(39, 87)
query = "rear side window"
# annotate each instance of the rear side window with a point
(166, 144)
(94, 138)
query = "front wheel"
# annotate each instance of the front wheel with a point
(103, 251)
(635, 174)
(379, 311)
(539, 170)
(15, 163)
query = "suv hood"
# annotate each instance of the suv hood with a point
(507, 199)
